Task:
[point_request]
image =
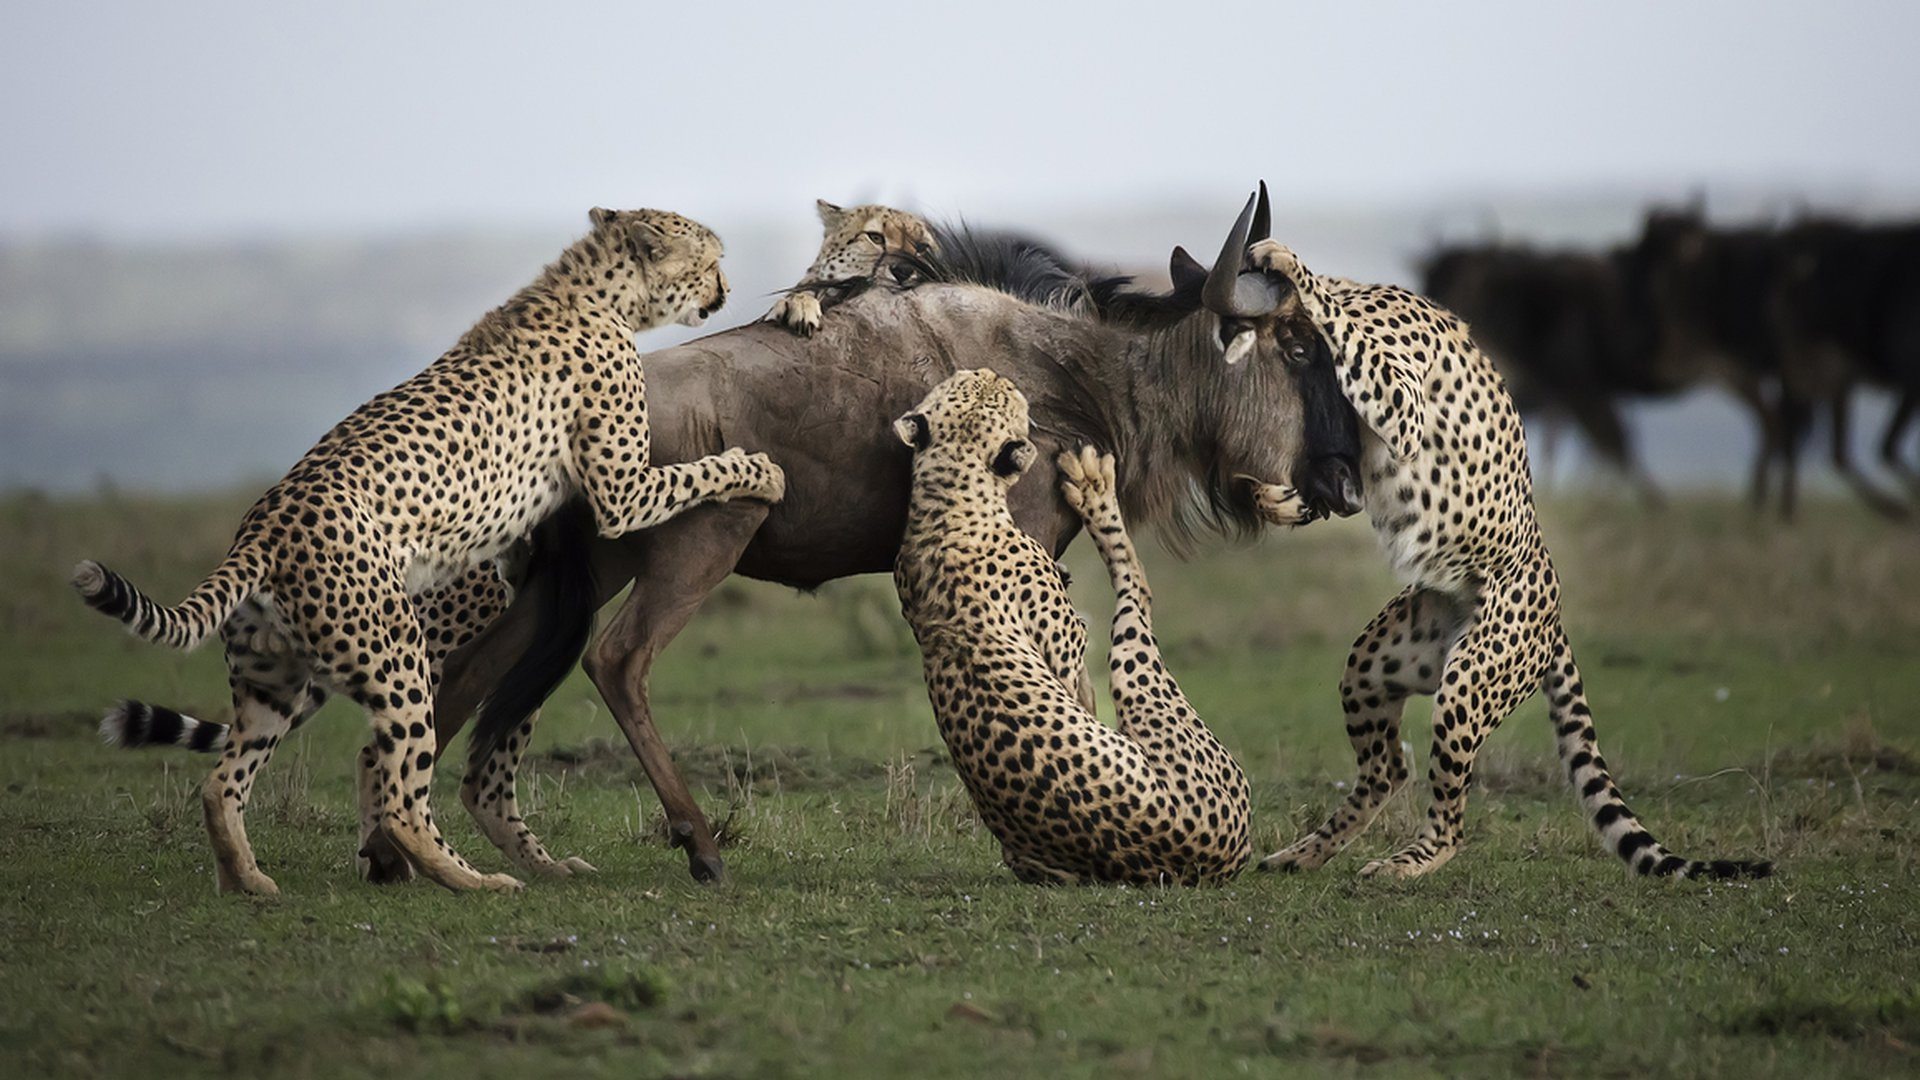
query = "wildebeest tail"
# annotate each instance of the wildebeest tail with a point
(185, 625)
(560, 571)
(134, 724)
(1620, 830)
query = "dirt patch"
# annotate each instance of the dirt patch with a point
(1860, 751)
(761, 770)
(1884, 1018)
(787, 693)
(60, 725)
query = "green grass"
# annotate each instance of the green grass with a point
(1755, 691)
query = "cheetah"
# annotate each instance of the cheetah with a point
(541, 401)
(1156, 800)
(1478, 624)
(860, 241)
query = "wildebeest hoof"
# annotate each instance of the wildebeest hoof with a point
(706, 869)
(381, 864)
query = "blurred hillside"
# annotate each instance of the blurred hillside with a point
(190, 367)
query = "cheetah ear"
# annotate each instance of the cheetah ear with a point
(650, 244)
(913, 430)
(600, 216)
(1014, 458)
(830, 214)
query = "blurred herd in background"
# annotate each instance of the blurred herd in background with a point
(1794, 318)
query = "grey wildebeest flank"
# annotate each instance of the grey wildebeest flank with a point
(1145, 383)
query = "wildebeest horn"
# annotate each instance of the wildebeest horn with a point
(1262, 219)
(1230, 292)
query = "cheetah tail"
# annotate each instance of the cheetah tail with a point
(181, 627)
(1619, 829)
(134, 724)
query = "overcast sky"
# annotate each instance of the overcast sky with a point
(215, 119)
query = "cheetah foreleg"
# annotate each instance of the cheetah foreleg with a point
(488, 794)
(666, 491)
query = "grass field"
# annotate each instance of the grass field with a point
(1756, 690)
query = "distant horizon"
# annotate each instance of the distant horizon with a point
(217, 117)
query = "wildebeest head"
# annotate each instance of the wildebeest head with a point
(1263, 331)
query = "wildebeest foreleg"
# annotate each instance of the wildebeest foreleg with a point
(1842, 452)
(1897, 425)
(677, 566)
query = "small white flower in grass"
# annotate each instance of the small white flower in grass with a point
(1722, 694)
(1783, 950)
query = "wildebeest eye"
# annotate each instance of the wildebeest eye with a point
(877, 238)
(1298, 352)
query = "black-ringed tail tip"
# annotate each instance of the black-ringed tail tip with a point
(90, 578)
(134, 724)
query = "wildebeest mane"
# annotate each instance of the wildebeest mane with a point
(1013, 263)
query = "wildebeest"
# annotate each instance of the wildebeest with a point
(1805, 314)
(1146, 382)
(1846, 305)
(1790, 321)
(1571, 332)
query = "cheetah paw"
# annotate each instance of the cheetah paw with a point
(798, 312)
(1404, 868)
(247, 882)
(562, 868)
(1086, 478)
(501, 883)
(1386, 868)
(1294, 859)
(771, 479)
(759, 477)
(1278, 503)
(1276, 258)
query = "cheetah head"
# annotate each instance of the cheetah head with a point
(863, 241)
(976, 419)
(678, 260)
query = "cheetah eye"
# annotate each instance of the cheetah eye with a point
(923, 248)
(876, 238)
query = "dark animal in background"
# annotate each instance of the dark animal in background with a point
(1791, 321)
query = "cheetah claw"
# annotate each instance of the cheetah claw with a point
(1274, 257)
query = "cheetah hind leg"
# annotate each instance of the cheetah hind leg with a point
(1401, 652)
(257, 728)
(378, 861)
(488, 794)
(1034, 872)
(1497, 664)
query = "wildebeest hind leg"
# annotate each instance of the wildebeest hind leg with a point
(679, 563)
